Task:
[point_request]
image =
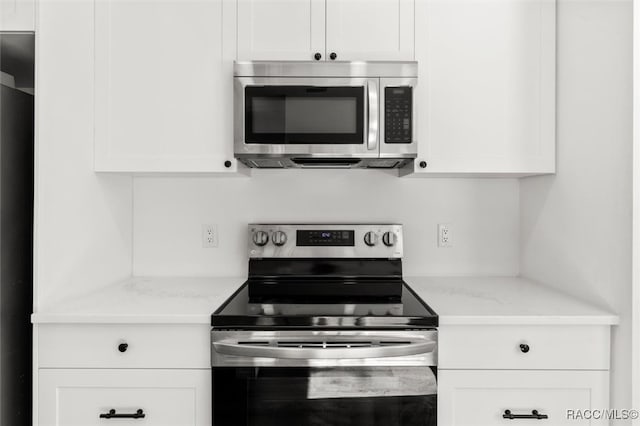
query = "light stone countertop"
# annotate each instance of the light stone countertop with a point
(457, 300)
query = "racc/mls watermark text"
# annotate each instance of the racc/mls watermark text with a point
(605, 414)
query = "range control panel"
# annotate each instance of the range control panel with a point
(398, 103)
(328, 241)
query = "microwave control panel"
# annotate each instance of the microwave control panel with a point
(397, 114)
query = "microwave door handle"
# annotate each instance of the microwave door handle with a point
(372, 114)
(256, 351)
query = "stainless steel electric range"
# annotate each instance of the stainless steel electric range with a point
(324, 332)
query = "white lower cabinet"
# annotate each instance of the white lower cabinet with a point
(77, 397)
(481, 397)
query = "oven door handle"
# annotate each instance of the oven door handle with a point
(372, 114)
(251, 351)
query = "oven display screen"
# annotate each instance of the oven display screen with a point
(325, 238)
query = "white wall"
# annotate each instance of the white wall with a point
(576, 226)
(83, 220)
(169, 212)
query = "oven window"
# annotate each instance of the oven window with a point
(362, 396)
(304, 115)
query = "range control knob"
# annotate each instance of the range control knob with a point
(279, 238)
(371, 239)
(260, 238)
(389, 239)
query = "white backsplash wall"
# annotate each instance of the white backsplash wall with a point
(169, 213)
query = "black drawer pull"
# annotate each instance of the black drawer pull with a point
(113, 415)
(534, 415)
(524, 348)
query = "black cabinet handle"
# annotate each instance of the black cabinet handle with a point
(122, 347)
(333, 56)
(524, 348)
(113, 415)
(317, 56)
(534, 415)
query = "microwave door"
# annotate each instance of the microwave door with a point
(306, 117)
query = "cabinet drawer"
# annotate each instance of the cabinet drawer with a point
(165, 397)
(147, 346)
(480, 398)
(547, 347)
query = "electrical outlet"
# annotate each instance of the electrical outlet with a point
(209, 236)
(444, 235)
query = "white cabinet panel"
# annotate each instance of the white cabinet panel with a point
(571, 347)
(163, 95)
(167, 397)
(147, 346)
(359, 30)
(480, 398)
(280, 29)
(487, 86)
(17, 15)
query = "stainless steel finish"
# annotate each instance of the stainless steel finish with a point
(276, 161)
(323, 348)
(360, 249)
(371, 76)
(249, 151)
(260, 238)
(396, 150)
(371, 238)
(279, 238)
(372, 114)
(389, 239)
(325, 69)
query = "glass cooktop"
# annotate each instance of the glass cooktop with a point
(244, 311)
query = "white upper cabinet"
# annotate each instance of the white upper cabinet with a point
(280, 30)
(353, 30)
(370, 30)
(486, 93)
(163, 72)
(17, 15)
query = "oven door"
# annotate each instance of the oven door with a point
(324, 378)
(306, 117)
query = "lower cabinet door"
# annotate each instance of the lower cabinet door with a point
(491, 397)
(83, 397)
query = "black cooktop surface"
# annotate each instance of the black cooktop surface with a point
(246, 311)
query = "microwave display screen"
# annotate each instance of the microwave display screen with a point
(304, 115)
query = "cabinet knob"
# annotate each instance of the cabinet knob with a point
(122, 347)
(227, 164)
(317, 56)
(423, 164)
(333, 56)
(524, 348)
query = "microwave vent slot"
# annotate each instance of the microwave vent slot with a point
(384, 163)
(266, 163)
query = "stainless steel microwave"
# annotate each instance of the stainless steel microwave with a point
(325, 115)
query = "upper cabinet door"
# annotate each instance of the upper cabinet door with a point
(17, 15)
(370, 30)
(486, 86)
(281, 30)
(163, 76)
